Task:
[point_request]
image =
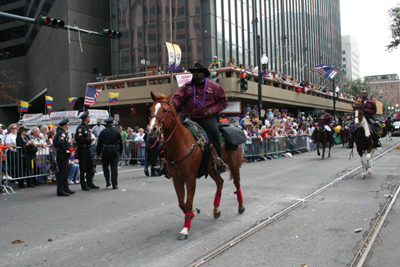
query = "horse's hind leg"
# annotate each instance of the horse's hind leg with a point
(318, 149)
(329, 154)
(235, 174)
(363, 165)
(217, 199)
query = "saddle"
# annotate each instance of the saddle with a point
(232, 136)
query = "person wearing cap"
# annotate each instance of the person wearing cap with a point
(23, 140)
(84, 139)
(202, 100)
(215, 64)
(109, 147)
(62, 158)
(369, 109)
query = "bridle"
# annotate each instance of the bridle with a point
(360, 117)
(162, 120)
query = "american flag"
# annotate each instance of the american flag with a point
(322, 69)
(91, 95)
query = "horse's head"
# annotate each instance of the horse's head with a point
(161, 114)
(358, 114)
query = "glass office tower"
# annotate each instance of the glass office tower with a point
(296, 35)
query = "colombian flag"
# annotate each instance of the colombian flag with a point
(73, 100)
(113, 97)
(24, 106)
(49, 109)
(49, 100)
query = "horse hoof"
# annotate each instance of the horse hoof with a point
(242, 210)
(182, 237)
(369, 172)
(322, 158)
(362, 176)
(198, 211)
(217, 215)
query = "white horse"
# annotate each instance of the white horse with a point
(364, 142)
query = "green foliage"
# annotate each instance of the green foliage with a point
(394, 19)
(355, 87)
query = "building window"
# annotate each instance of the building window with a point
(344, 52)
(344, 66)
(385, 94)
(385, 87)
(391, 94)
(344, 59)
(391, 86)
(377, 87)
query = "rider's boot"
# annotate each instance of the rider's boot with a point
(220, 166)
(164, 171)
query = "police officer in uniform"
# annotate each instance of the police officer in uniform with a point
(62, 158)
(109, 145)
(84, 140)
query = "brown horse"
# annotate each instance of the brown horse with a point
(363, 140)
(183, 157)
(344, 134)
(323, 139)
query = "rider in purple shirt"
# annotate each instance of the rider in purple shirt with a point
(202, 99)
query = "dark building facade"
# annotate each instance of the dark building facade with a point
(296, 35)
(50, 61)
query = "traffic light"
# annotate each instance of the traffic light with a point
(243, 81)
(111, 33)
(51, 22)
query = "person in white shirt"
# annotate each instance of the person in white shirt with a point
(96, 130)
(12, 136)
(141, 146)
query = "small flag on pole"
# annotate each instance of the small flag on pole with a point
(113, 97)
(73, 100)
(49, 109)
(91, 95)
(49, 100)
(24, 106)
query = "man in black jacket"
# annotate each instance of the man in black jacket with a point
(109, 145)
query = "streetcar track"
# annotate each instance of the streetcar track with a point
(227, 245)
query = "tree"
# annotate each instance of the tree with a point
(394, 19)
(355, 87)
(9, 84)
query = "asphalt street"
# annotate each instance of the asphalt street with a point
(138, 224)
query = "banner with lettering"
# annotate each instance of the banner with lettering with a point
(178, 57)
(184, 78)
(171, 56)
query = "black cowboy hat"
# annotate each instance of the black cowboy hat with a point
(198, 66)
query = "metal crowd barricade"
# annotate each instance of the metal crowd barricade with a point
(20, 164)
(275, 148)
(133, 153)
(5, 188)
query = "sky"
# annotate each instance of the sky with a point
(367, 21)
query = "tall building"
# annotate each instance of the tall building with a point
(388, 85)
(50, 61)
(350, 58)
(296, 35)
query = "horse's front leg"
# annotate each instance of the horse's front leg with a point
(188, 209)
(318, 149)
(323, 151)
(329, 154)
(363, 165)
(369, 162)
(235, 174)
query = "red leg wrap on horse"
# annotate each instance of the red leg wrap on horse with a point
(239, 195)
(217, 198)
(188, 220)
